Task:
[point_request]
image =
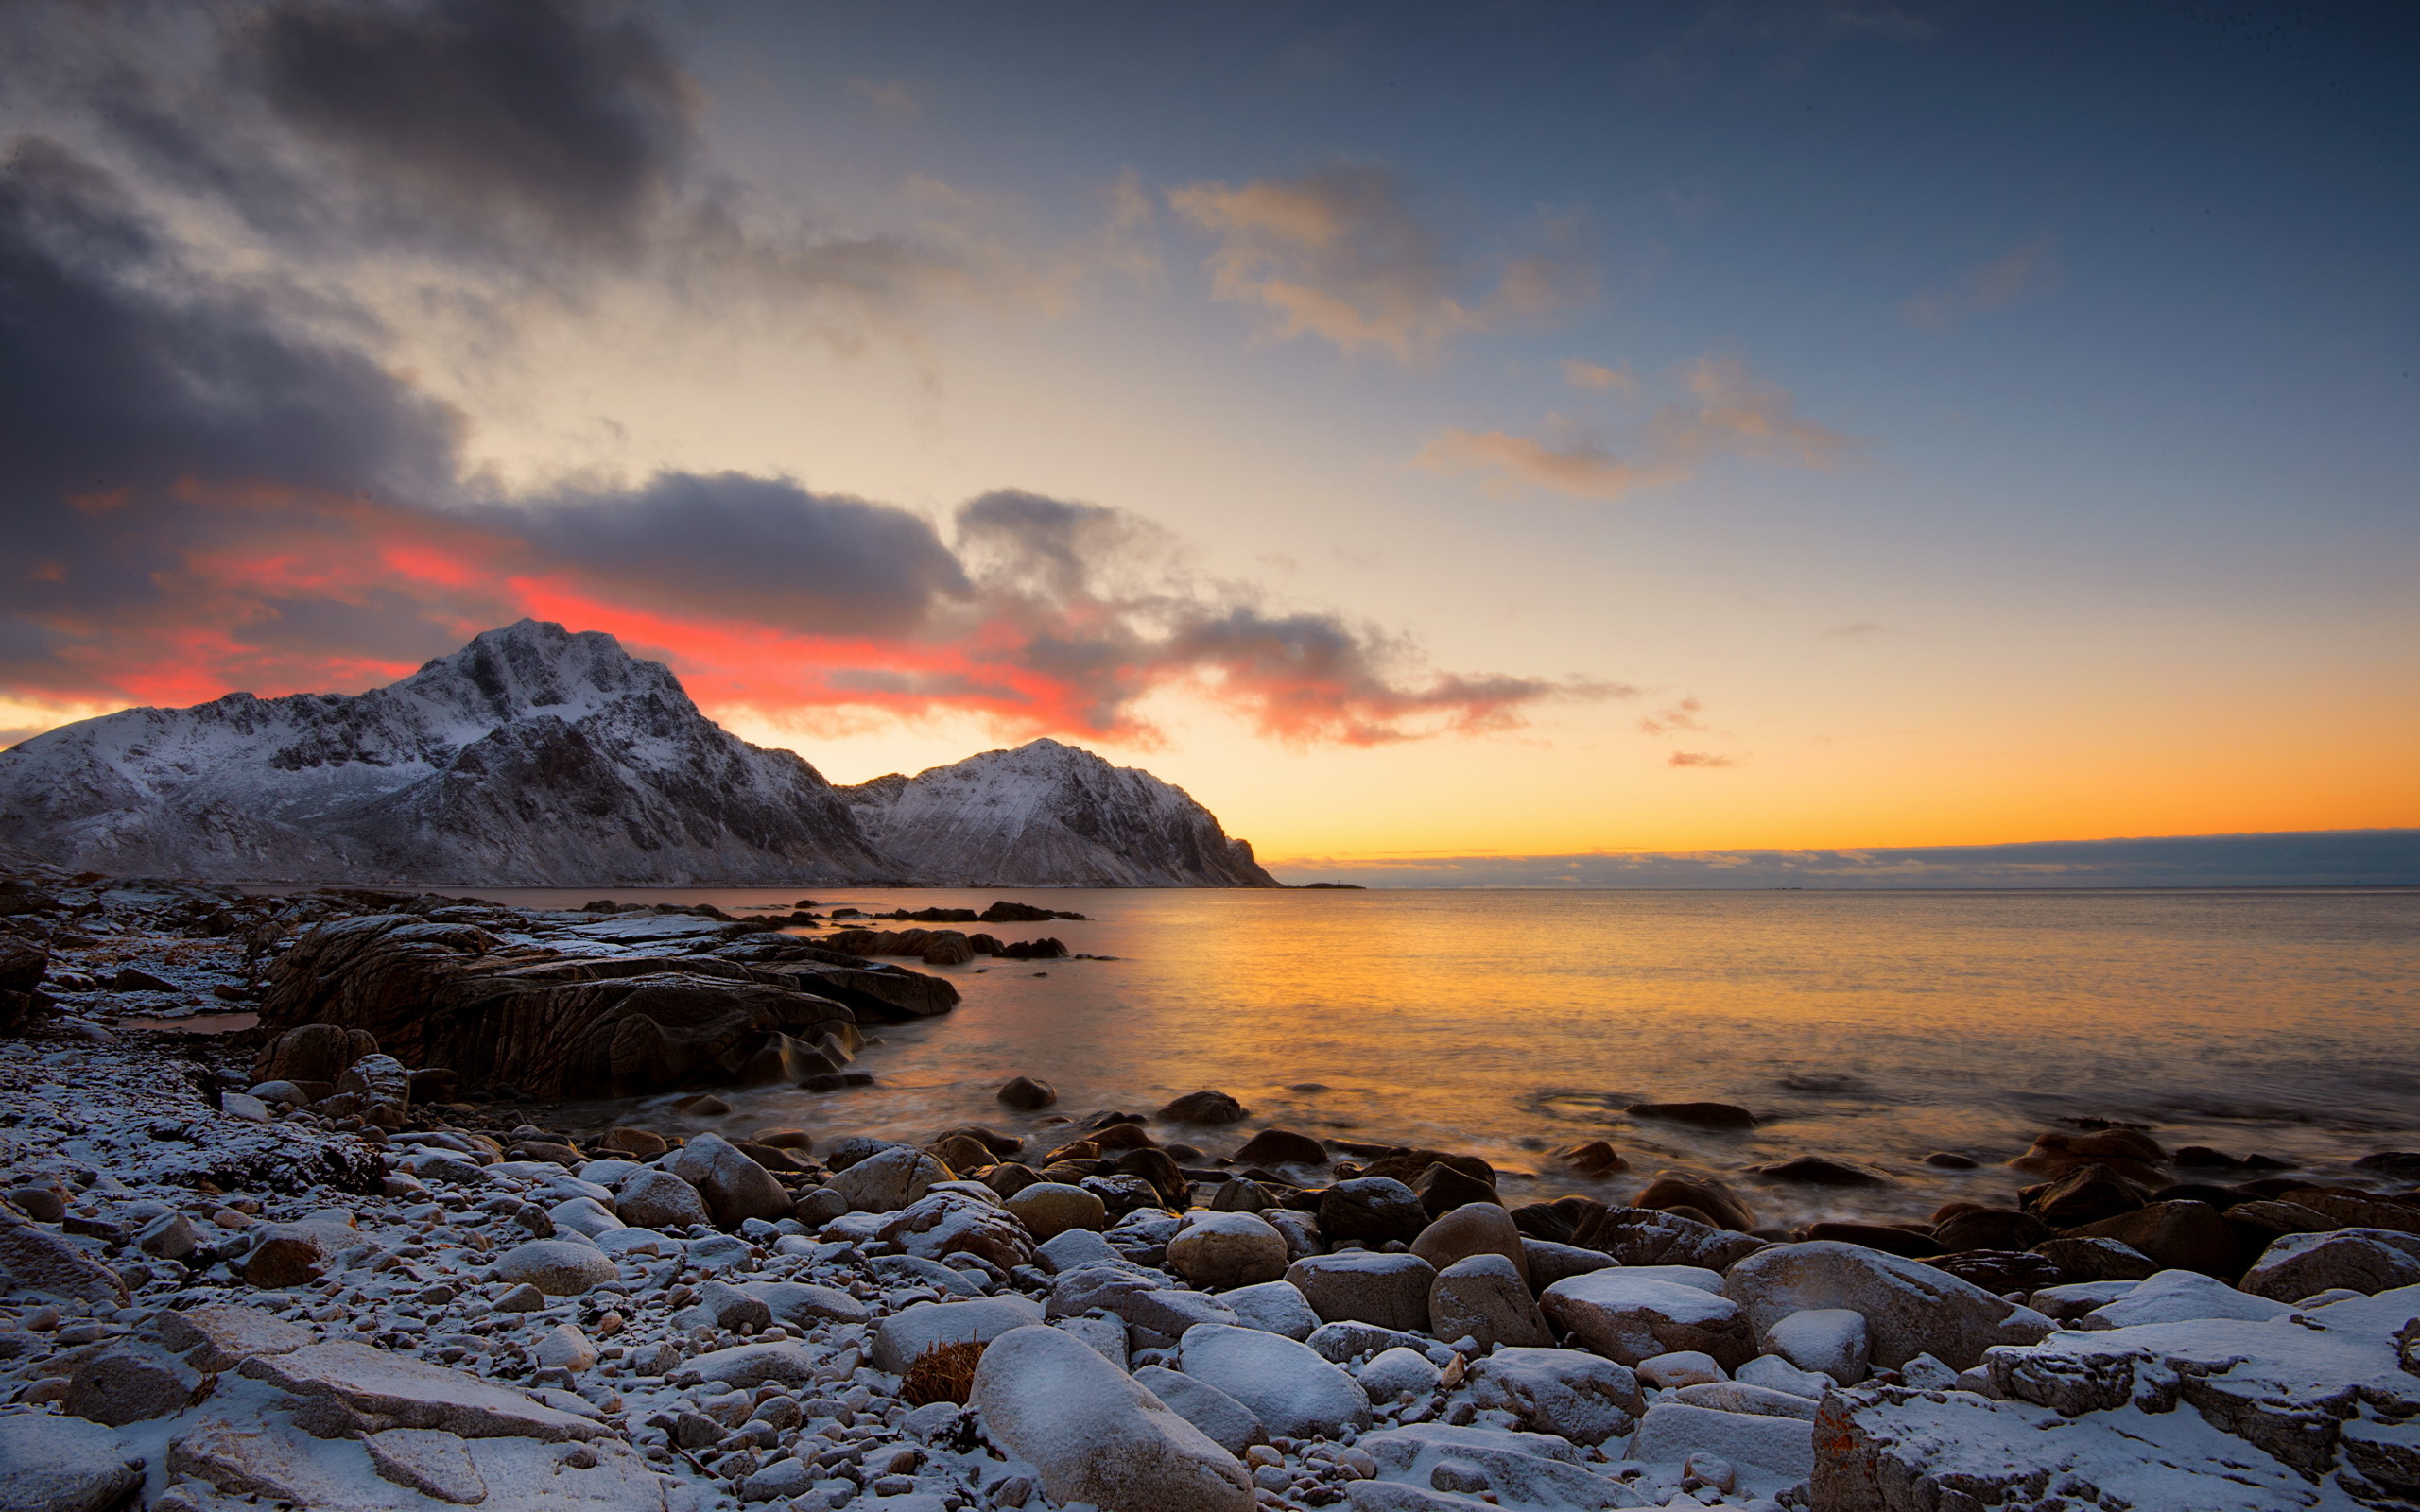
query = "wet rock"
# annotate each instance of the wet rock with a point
(1909, 1307)
(1811, 1170)
(2097, 1260)
(390, 1390)
(1595, 1158)
(1548, 1262)
(1205, 1106)
(1287, 1386)
(37, 1260)
(1390, 1291)
(1049, 1208)
(652, 1198)
(909, 1332)
(1887, 1238)
(1675, 1188)
(641, 1143)
(1951, 1160)
(1095, 1435)
(734, 1188)
(1473, 1229)
(2367, 1261)
(2130, 1153)
(1991, 1228)
(888, 1181)
(65, 1465)
(2179, 1235)
(1829, 1341)
(1242, 1194)
(1228, 1249)
(1279, 1146)
(559, 1267)
(1443, 1188)
(1644, 1236)
(1485, 1299)
(127, 1380)
(1627, 1317)
(1696, 1115)
(220, 1336)
(1570, 1393)
(2083, 1194)
(2403, 1165)
(2281, 1218)
(1373, 1210)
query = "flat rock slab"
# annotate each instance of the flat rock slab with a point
(223, 1335)
(275, 1461)
(397, 1392)
(63, 1465)
(39, 1261)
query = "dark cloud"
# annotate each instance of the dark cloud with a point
(569, 119)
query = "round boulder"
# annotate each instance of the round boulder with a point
(559, 1267)
(1026, 1096)
(1205, 1106)
(1227, 1249)
(1372, 1208)
(1049, 1208)
(650, 1199)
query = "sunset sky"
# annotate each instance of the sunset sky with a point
(1416, 430)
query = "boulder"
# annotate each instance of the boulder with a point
(1814, 1170)
(1026, 1094)
(734, 1187)
(905, 1334)
(2180, 1297)
(36, 1260)
(750, 1366)
(1628, 1317)
(1228, 1249)
(370, 1387)
(1443, 1188)
(1364, 1286)
(1273, 1307)
(1548, 1262)
(1570, 1393)
(1644, 1236)
(559, 1267)
(1991, 1228)
(1097, 1435)
(653, 1198)
(1677, 1188)
(1205, 1106)
(1909, 1307)
(65, 1464)
(1484, 1298)
(583, 1215)
(286, 1254)
(1049, 1208)
(1889, 1238)
(309, 1053)
(1221, 1419)
(2360, 1260)
(2180, 1236)
(2082, 1195)
(1279, 1146)
(888, 1181)
(1726, 1116)
(1287, 1386)
(1473, 1229)
(221, 1336)
(1680, 1367)
(803, 1304)
(948, 1222)
(1373, 1210)
(2097, 1260)
(127, 1381)
(1830, 1341)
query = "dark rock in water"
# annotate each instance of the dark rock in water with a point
(1122, 1195)
(2129, 1152)
(1008, 1178)
(2000, 1270)
(2086, 1194)
(1556, 1222)
(1004, 912)
(1113, 1137)
(1046, 949)
(836, 1083)
(1279, 1146)
(1373, 1210)
(1596, 1157)
(1026, 1094)
(934, 947)
(1406, 1166)
(1677, 1188)
(2181, 1236)
(1155, 1167)
(2359, 1210)
(2084, 1259)
(848, 1152)
(1991, 1228)
(1442, 1188)
(1242, 1194)
(1951, 1160)
(1884, 1237)
(1696, 1115)
(1646, 1236)
(1810, 1171)
(2403, 1165)
(2203, 1158)
(1002, 1147)
(438, 994)
(2220, 1197)
(1205, 1106)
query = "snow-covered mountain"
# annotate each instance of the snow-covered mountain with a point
(536, 757)
(1047, 814)
(530, 757)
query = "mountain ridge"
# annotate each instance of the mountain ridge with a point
(534, 756)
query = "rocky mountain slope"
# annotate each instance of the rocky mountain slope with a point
(532, 756)
(538, 757)
(1047, 814)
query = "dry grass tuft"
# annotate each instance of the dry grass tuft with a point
(946, 1372)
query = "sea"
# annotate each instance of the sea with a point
(1867, 1027)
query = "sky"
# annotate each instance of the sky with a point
(1431, 434)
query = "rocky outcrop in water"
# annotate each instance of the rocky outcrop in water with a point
(1047, 814)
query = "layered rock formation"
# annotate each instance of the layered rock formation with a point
(1047, 814)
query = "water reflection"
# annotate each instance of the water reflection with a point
(1871, 1027)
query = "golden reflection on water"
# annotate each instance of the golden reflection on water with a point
(1865, 1026)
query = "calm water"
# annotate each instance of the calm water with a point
(1867, 1026)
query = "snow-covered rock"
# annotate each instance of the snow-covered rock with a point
(1909, 1307)
(1629, 1317)
(1094, 1433)
(1287, 1386)
(1571, 1393)
(1049, 814)
(2362, 1260)
(2178, 1296)
(1767, 1452)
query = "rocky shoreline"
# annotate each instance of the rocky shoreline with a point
(352, 1259)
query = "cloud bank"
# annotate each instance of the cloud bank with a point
(2326, 858)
